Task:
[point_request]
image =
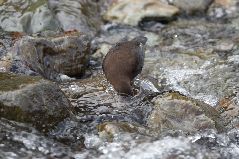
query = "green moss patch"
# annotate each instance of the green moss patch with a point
(10, 82)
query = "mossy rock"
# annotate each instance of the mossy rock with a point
(173, 111)
(32, 100)
(11, 82)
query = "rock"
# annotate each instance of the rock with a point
(43, 19)
(224, 3)
(110, 129)
(223, 9)
(192, 6)
(114, 128)
(176, 112)
(88, 96)
(102, 50)
(29, 17)
(186, 62)
(7, 41)
(214, 83)
(5, 44)
(83, 16)
(15, 136)
(131, 12)
(53, 55)
(32, 100)
(179, 147)
(224, 46)
(38, 15)
(96, 101)
(235, 23)
(229, 109)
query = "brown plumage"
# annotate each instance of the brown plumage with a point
(123, 63)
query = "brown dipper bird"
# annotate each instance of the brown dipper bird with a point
(123, 63)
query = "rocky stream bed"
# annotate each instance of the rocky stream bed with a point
(56, 103)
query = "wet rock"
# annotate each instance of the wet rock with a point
(8, 61)
(91, 99)
(177, 112)
(218, 81)
(198, 68)
(226, 142)
(27, 16)
(210, 139)
(167, 148)
(20, 140)
(69, 132)
(207, 144)
(83, 16)
(109, 130)
(229, 109)
(132, 12)
(32, 100)
(114, 128)
(52, 56)
(96, 102)
(235, 23)
(196, 56)
(92, 141)
(224, 46)
(192, 6)
(116, 148)
(76, 89)
(7, 40)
